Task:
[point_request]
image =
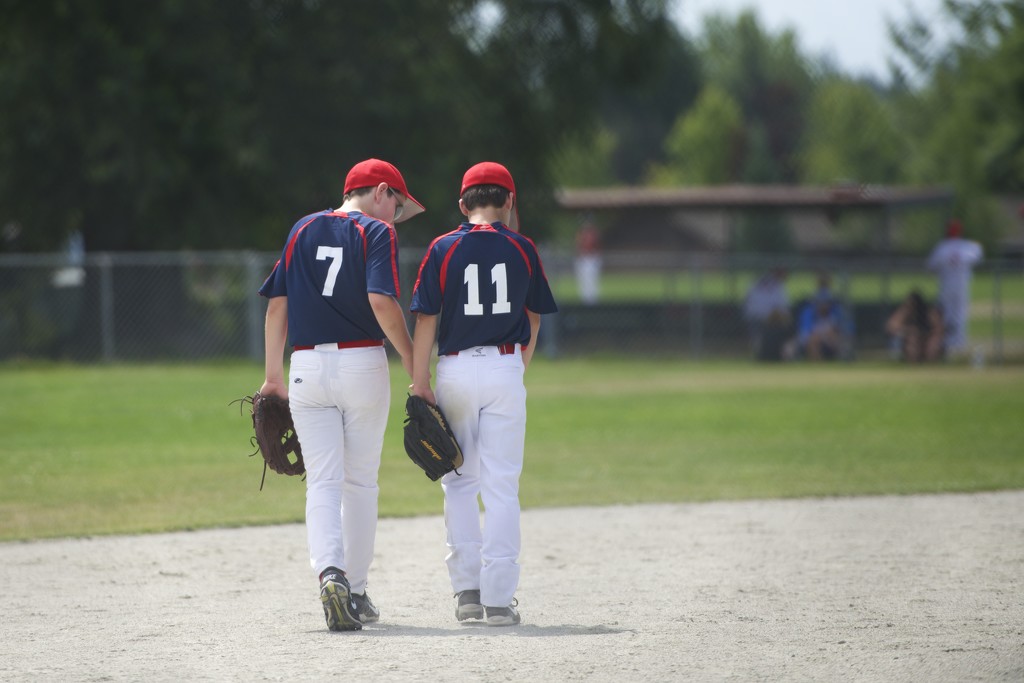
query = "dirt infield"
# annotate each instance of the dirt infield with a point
(918, 588)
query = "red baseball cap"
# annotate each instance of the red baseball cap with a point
(372, 172)
(492, 173)
(954, 228)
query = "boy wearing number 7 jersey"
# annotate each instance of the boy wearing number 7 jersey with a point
(480, 293)
(334, 293)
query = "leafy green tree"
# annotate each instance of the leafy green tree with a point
(852, 135)
(169, 124)
(641, 111)
(747, 123)
(585, 160)
(706, 145)
(770, 80)
(962, 103)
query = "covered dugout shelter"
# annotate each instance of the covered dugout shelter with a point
(637, 216)
(677, 225)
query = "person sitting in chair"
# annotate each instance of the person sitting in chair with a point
(820, 334)
(917, 329)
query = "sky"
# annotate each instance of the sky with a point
(852, 32)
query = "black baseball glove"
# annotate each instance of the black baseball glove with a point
(429, 440)
(275, 435)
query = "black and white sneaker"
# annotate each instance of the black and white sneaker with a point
(336, 596)
(469, 606)
(503, 616)
(365, 609)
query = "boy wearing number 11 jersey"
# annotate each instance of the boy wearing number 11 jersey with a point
(480, 293)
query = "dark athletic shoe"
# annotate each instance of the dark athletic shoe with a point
(469, 606)
(336, 596)
(365, 609)
(503, 616)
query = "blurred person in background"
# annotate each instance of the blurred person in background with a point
(824, 328)
(953, 260)
(820, 329)
(824, 287)
(767, 315)
(588, 262)
(916, 329)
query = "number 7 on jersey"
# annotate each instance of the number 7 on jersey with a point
(335, 255)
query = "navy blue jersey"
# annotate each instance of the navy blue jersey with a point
(482, 279)
(329, 264)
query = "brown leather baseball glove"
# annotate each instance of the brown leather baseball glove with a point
(275, 437)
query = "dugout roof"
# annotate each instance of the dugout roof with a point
(754, 197)
(705, 218)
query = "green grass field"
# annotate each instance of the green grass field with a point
(143, 448)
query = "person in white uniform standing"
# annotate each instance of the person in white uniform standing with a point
(954, 259)
(485, 282)
(334, 291)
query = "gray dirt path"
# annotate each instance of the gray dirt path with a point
(916, 588)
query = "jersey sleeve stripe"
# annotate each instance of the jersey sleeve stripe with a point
(426, 257)
(393, 237)
(291, 242)
(445, 262)
(522, 252)
(362, 236)
(534, 246)
(423, 263)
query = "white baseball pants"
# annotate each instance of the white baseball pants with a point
(483, 395)
(339, 400)
(588, 277)
(955, 308)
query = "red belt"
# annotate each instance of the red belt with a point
(362, 343)
(503, 349)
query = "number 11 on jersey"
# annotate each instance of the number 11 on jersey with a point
(499, 278)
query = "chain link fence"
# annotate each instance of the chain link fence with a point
(133, 306)
(203, 305)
